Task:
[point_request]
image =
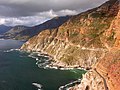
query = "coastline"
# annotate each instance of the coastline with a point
(64, 87)
(53, 64)
(70, 85)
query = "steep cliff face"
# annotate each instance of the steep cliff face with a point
(91, 81)
(79, 41)
(105, 75)
(109, 66)
(90, 40)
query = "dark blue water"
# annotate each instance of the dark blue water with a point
(18, 71)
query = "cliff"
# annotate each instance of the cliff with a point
(89, 40)
(105, 75)
(79, 41)
(109, 66)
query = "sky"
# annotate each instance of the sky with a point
(34, 12)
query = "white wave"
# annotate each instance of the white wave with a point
(37, 59)
(32, 56)
(39, 89)
(39, 86)
(46, 62)
(51, 67)
(65, 87)
(10, 50)
(42, 64)
(43, 55)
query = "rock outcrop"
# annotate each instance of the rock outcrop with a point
(90, 40)
(91, 81)
(104, 76)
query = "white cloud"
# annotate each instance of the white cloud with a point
(21, 8)
(67, 12)
(37, 19)
(32, 12)
(2, 21)
(29, 21)
(48, 14)
(51, 13)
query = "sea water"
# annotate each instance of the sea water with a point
(18, 71)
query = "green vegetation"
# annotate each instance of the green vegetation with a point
(73, 34)
(98, 15)
(111, 40)
(94, 35)
(68, 59)
(111, 37)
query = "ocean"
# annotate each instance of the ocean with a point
(19, 71)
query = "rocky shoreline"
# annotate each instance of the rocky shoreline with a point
(70, 85)
(54, 64)
(57, 65)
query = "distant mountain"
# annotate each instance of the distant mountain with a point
(15, 32)
(4, 28)
(24, 33)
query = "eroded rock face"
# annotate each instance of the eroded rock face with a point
(104, 76)
(107, 69)
(78, 41)
(90, 40)
(91, 81)
(109, 66)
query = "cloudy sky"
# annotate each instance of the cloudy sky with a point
(33, 12)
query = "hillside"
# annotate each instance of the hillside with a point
(15, 32)
(4, 29)
(75, 41)
(24, 33)
(105, 75)
(89, 40)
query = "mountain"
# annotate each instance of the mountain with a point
(15, 32)
(4, 28)
(105, 75)
(81, 33)
(24, 33)
(89, 40)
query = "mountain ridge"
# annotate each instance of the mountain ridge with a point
(21, 32)
(89, 40)
(4, 28)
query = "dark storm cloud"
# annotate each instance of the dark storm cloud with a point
(16, 8)
(32, 12)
